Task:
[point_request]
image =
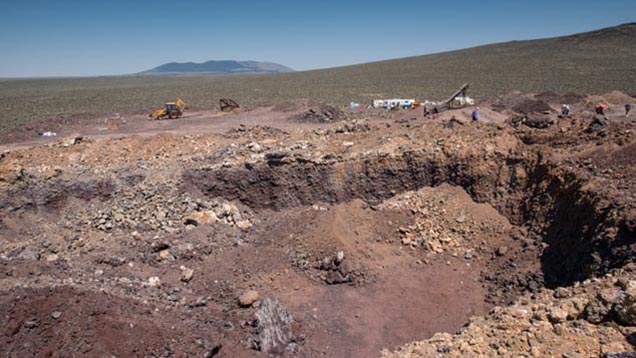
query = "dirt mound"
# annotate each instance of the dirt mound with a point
(531, 106)
(572, 98)
(616, 101)
(556, 99)
(443, 218)
(323, 114)
(508, 101)
(617, 98)
(522, 103)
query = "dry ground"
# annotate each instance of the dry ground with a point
(123, 236)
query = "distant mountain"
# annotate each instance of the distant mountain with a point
(216, 68)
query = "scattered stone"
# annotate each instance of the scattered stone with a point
(213, 351)
(255, 147)
(113, 261)
(248, 298)
(562, 292)
(620, 355)
(557, 315)
(243, 224)
(336, 277)
(502, 251)
(51, 258)
(186, 274)
(154, 281)
(56, 314)
(29, 254)
(160, 246)
(201, 218)
(166, 255)
(200, 302)
(72, 140)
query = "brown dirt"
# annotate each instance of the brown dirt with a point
(371, 232)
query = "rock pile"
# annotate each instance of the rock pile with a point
(434, 230)
(356, 126)
(596, 318)
(255, 132)
(336, 270)
(323, 114)
(158, 207)
(533, 120)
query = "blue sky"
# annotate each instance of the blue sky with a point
(86, 37)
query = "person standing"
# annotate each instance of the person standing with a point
(475, 114)
(628, 107)
(600, 109)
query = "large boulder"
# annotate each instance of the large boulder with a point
(625, 305)
(274, 326)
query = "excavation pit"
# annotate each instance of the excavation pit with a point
(544, 232)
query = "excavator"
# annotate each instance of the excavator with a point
(171, 110)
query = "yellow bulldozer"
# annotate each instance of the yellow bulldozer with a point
(170, 110)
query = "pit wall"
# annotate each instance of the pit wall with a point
(583, 236)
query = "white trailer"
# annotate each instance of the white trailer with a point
(392, 103)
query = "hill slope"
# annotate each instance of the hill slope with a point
(216, 67)
(593, 62)
(597, 61)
